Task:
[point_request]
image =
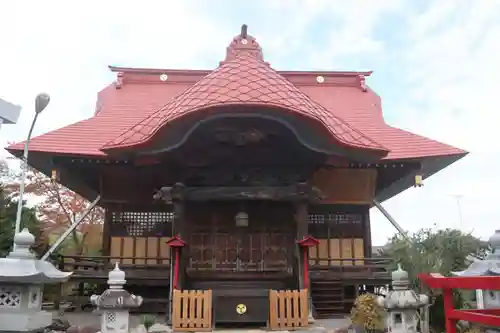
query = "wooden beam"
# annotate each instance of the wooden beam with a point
(298, 192)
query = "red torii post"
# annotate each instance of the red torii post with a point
(488, 317)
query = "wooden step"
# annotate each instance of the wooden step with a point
(331, 297)
(326, 289)
(328, 298)
(333, 308)
(325, 301)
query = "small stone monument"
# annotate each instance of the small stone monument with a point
(490, 266)
(22, 277)
(115, 303)
(402, 304)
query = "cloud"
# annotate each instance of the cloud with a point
(435, 64)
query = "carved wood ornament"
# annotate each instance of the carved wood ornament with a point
(297, 192)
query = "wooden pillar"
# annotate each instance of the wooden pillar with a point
(367, 241)
(106, 232)
(177, 194)
(301, 220)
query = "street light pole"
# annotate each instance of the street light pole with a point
(41, 102)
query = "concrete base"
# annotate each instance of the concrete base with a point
(24, 322)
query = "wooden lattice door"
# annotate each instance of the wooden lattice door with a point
(218, 244)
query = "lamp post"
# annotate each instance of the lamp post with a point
(41, 102)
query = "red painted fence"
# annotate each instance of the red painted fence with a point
(488, 317)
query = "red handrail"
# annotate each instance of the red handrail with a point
(488, 317)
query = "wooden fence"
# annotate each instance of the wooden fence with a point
(288, 309)
(192, 310)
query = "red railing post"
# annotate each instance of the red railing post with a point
(305, 244)
(176, 243)
(451, 324)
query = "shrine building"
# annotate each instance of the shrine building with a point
(238, 165)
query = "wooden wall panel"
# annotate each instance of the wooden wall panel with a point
(128, 249)
(335, 251)
(359, 251)
(346, 186)
(337, 248)
(140, 247)
(140, 250)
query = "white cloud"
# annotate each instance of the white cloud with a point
(450, 65)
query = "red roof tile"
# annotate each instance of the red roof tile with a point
(244, 80)
(144, 103)
(363, 110)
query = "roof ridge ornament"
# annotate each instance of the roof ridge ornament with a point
(119, 80)
(243, 45)
(244, 31)
(362, 82)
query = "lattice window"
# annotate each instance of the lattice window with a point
(143, 223)
(10, 297)
(338, 218)
(335, 218)
(110, 317)
(316, 219)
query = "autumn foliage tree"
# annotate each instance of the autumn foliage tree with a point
(58, 207)
(8, 212)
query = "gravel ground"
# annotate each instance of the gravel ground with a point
(88, 319)
(94, 320)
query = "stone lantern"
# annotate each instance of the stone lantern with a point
(115, 303)
(490, 266)
(402, 304)
(22, 277)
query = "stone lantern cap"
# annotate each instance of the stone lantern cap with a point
(400, 278)
(116, 297)
(490, 266)
(401, 297)
(21, 265)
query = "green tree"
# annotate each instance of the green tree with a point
(435, 251)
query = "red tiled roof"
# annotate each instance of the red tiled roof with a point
(143, 104)
(364, 111)
(244, 80)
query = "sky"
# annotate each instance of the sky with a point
(436, 67)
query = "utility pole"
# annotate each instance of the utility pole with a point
(458, 197)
